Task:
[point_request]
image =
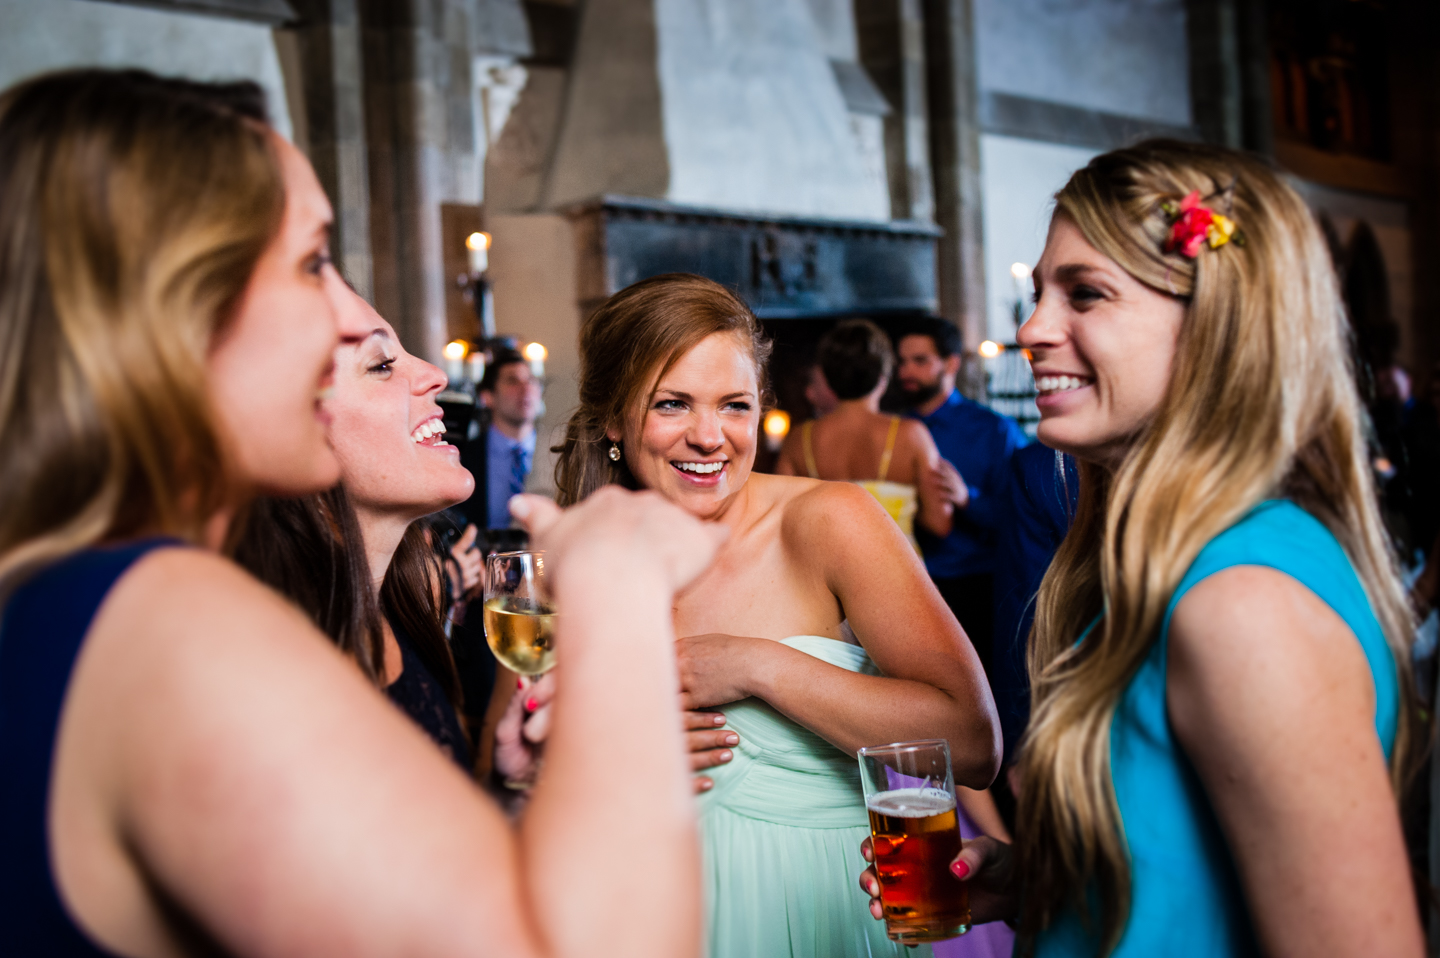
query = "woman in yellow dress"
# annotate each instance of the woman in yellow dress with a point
(885, 455)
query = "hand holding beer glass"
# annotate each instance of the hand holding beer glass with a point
(520, 613)
(915, 833)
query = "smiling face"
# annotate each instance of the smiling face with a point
(387, 430)
(694, 442)
(269, 364)
(1102, 345)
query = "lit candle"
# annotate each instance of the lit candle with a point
(990, 349)
(777, 426)
(478, 245)
(536, 354)
(455, 361)
(475, 366)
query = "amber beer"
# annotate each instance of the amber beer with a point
(916, 836)
(914, 831)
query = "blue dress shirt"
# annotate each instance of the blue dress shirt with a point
(1038, 507)
(979, 443)
(506, 476)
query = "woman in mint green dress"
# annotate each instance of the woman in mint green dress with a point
(816, 628)
(1220, 654)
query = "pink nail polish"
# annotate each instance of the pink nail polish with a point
(530, 705)
(960, 869)
(732, 740)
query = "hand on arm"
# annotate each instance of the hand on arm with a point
(941, 491)
(939, 487)
(521, 733)
(932, 684)
(1272, 699)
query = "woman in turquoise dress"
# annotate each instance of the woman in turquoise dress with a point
(1220, 654)
(816, 629)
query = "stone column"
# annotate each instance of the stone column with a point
(1229, 73)
(891, 36)
(333, 83)
(955, 156)
(424, 144)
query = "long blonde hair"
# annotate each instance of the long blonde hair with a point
(1261, 403)
(132, 211)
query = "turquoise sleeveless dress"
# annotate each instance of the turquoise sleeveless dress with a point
(781, 833)
(1186, 898)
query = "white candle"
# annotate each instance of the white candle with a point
(536, 353)
(455, 362)
(478, 246)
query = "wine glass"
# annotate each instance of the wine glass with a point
(519, 612)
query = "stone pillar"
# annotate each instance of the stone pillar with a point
(425, 147)
(328, 36)
(891, 36)
(1229, 73)
(955, 155)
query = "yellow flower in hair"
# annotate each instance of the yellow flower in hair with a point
(1220, 231)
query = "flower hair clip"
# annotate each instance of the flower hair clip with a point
(1193, 225)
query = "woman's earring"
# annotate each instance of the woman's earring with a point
(614, 452)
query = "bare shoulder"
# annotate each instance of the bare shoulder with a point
(1253, 638)
(913, 435)
(818, 513)
(194, 595)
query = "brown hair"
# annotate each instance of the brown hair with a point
(854, 356)
(1261, 404)
(626, 347)
(311, 550)
(132, 212)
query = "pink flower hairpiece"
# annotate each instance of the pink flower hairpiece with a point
(1193, 225)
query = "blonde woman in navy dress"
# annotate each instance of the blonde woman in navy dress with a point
(186, 765)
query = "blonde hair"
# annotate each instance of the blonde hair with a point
(1261, 403)
(132, 211)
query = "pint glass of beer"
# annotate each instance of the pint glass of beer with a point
(910, 794)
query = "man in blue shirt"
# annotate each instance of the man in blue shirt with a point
(975, 447)
(513, 394)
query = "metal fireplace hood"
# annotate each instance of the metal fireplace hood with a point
(785, 267)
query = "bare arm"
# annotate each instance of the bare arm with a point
(932, 686)
(937, 509)
(1272, 699)
(789, 463)
(290, 810)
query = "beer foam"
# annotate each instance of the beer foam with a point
(911, 802)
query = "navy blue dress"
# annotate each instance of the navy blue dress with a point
(420, 696)
(43, 627)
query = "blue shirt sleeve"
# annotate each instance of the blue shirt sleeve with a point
(986, 506)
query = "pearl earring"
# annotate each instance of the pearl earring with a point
(614, 452)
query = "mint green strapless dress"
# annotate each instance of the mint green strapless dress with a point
(781, 833)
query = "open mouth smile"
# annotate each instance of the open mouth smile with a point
(1053, 385)
(429, 433)
(706, 473)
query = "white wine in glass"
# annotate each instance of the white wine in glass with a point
(519, 614)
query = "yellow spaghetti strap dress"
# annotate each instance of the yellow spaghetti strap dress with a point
(898, 498)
